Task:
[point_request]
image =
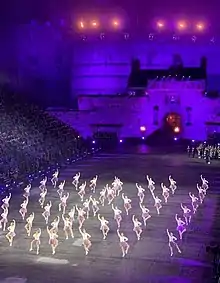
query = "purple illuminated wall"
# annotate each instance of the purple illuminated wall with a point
(103, 66)
(55, 66)
(37, 58)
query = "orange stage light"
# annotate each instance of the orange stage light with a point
(160, 24)
(115, 23)
(176, 130)
(94, 24)
(182, 25)
(81, 25)
(200, 26)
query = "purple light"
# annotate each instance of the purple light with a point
(193, 140)
(175, 139)
(142, 128)
(121, 141)
(143, 138)
(93, 142)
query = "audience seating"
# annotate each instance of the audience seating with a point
(30, 139)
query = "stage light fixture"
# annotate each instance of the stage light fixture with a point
(212, 40)
(115, 23)
(194, 38)
(120, 141)
(176, 130)
(81, 24)
(126, 36)
(142, 128)
(200, 26)
(181, 25)
(151, 36)
(94, 24)
(83, 38)
(175, 37)
(102, 36)
(160, 24)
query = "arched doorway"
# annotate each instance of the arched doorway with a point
(173, 121)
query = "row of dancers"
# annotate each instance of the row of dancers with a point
(106, 197)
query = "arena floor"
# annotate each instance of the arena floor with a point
(148, 260)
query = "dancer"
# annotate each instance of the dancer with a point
(165, 192)
(173, 185)
(6, 201)
(110, 194)
(157, 204)
(145, 213)
(104, 226)
(86, 240)
(11, 234)
(186, 214)
(46, 213)
(4, 220)
(82, 191)
(61, 188)
(127, 203)
(36, 241)
(123, 243)
(117, 186)
(27, 191)
(137, 227)
(202, 193)
(29, 224)
(205, 183)
(55, 224)
(54, 179)
(120, 186)
(86, 206)
(151, 184)
(81, 216)
(102, 196)
(75, 181)
(42, 197)
(53, 239)
(63, 202)
(140, 193)
(117, 215)
(93, 183)
(172, 242)
(43, 184)
(23, 209)
(68, 226)
(194, 201)
(95, 207)
(72, 213)
(181, 226)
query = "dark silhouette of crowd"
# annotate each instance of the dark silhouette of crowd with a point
(32, 140)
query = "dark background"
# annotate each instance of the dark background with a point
(14, 11)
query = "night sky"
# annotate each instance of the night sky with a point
(24, 10)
